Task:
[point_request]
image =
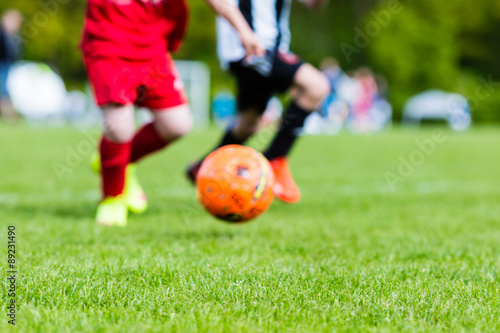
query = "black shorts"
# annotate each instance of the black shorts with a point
(259, 80)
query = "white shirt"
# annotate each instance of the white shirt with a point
(268, 18)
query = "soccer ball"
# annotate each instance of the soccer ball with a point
(235, 183)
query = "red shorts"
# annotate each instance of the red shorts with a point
(153, 84)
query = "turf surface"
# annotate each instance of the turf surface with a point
(358, 253)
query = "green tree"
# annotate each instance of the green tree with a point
(428, 44)
(446, 45)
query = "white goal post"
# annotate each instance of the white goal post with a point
(196, 78)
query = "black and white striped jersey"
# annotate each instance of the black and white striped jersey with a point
(268, 18)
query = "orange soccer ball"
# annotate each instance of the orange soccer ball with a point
(235, 183)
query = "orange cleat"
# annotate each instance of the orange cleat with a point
(284, 187)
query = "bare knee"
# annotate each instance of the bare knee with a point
(119, 124)
(182, 128)
(174, 123)
(313, 87)
(319, 89)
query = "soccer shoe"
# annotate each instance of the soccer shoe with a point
(95, 162)
(134, 194)
(112, 211)
(192, 172)
(284, 187)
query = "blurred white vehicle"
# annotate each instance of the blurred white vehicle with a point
(36, 90)
(438, 105)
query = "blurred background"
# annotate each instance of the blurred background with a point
(388, 61)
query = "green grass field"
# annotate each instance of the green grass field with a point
(356, 254)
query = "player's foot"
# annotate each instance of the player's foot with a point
(112, 211)
(134, 194)
(284, 187)
(95, 162)
(192, 172)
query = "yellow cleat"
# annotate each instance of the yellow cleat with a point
(134, 194)
(111, 212)
(95, 162)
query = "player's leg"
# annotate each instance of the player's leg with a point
(133, 194)
(310, 88)
(244, 126)
(114, 151)
(161, 91)
(254, 92)
(169, 125)
(114, 83)
(163, 94)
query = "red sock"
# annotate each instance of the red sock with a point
(145, 142)
(114, 161)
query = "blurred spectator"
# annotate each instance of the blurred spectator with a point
(366, 93)
(356, 101)
(371, 112)
(331, 68)
(10, 51)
